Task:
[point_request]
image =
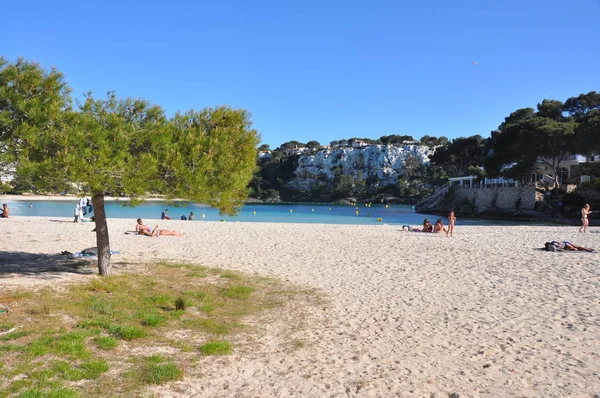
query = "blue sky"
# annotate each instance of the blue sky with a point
(321, 70)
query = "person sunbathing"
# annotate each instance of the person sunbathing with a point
(439, 226)
(142, 229)
(165, 232)
(5, 211)
(427, 227)
(566, 245)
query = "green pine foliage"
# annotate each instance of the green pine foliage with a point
(125, 147)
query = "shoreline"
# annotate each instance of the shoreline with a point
(67, 198)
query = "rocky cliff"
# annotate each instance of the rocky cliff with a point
(381, 164)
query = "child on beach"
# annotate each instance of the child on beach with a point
(451, 220)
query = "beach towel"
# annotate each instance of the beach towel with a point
(90, 252)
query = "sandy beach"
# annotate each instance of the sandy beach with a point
(483, 314)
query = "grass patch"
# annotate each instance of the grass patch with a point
(219, 347)
(230, 275)
(153, 318)
(6, 326)
(126, 332)
(72, 333)
(86, 370)
(156, 371)
(106, 342)
(208, 325)
(17, 334)
(238, 292)
(50, 393)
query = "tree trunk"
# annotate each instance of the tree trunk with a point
(104, 267)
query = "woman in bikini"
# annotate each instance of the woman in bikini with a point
(142, 229)
(4, 213)
(427, 227)
(584, 218)
(451, 220)
(439, 226)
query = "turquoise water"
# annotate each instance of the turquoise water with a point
(281, 213)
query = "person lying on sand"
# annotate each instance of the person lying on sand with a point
(410, 229)
(165, 232)
(142, 229)
(566, 245)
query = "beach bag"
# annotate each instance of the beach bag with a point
(90, 251)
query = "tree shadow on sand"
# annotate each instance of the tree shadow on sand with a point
(45, 266)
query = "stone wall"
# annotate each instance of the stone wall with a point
(502, 198)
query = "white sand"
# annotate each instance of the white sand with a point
(483, 314)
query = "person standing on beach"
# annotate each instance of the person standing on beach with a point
(191, 216)
(78, 212)
(83, 205)
(451, 220)
(4, 213)
(584, 218)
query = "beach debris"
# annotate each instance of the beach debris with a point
(8, 331)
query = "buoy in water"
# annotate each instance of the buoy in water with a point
(380, 219)
(254, 212)
(357, 212)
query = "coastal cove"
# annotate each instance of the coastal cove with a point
(311, 213)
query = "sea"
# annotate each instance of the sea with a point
(317, 213)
